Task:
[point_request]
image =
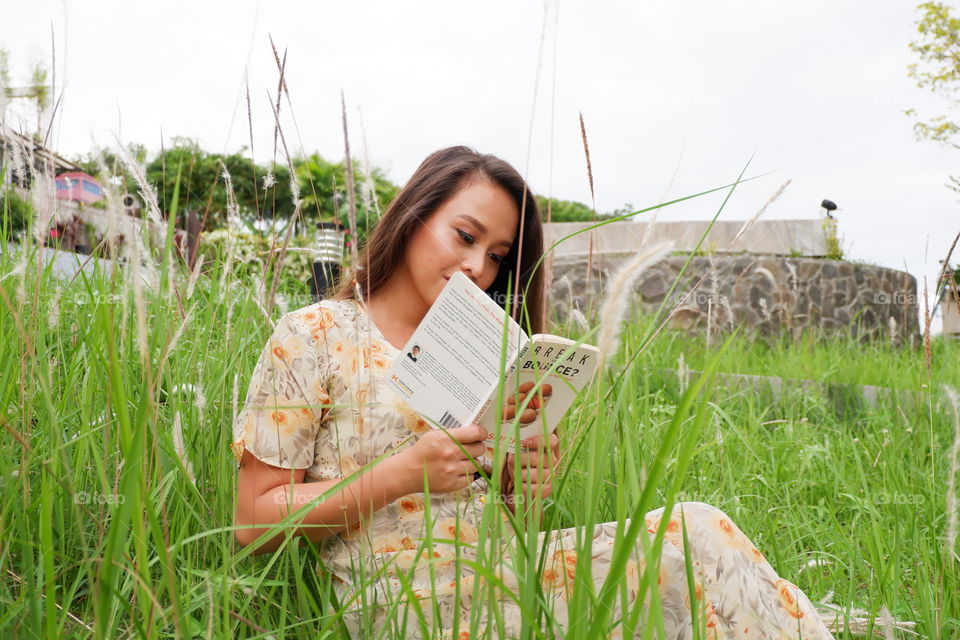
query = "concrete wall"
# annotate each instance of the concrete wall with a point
(768, 237)
(766, 294)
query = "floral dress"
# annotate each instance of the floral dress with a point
(439, 565)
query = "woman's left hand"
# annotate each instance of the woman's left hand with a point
(537, 465)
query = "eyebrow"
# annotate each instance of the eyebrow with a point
(479, 225)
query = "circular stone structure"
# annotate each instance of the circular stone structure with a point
(765, 294)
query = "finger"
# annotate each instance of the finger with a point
(469, 433)
(537, 458)
(535, 475)
(475, 449)
(538, 442)
(526, 386)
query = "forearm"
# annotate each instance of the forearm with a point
(364, 496)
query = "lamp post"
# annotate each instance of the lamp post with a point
(327, 264)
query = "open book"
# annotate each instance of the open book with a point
(450, 369)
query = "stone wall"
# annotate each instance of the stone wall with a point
(766, 294)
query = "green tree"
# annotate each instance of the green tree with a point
(938, 70)
(565, 210)
(323, 190)
(202, 187)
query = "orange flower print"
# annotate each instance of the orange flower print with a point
(286, 349)
(729, 533)
(652, 524)
(380, 363)
(754, 554)
(556, 578)
(283, 415)
(377, 347)
(787, 594)
(348, 465)
(568, 560)
(387, 543)
(319, 388)
(237, 448)
(450, 529)
(412, 420)
(353, 531)
(339, 349)
(410, 506)
(553, 579)
(710, 620)
(317, 318)
(674, 533)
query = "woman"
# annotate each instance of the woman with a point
(407, 527)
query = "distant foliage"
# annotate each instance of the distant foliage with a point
(938, 70)
(564, 210)
(251, 257)
(16, 212)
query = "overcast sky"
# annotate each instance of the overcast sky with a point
(677, 96)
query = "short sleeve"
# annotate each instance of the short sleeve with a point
(286, 401)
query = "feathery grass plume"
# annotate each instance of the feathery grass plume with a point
(593, 198)
(682, 374)
(134, 282)
(180, 446)
(110, 197)
(147, 192)
(351, 196)
(172, 345)
(17, 160)
(53, 315)
(233, 212)
(952, 480)
(297, 212)
(141, 231)
(927, 353)
(859, 621)
(194, 276)
(43, 199)
(368, 190)
(281, 87)
(887, 623)
(579, 321)
(617, 301)
(753, 219)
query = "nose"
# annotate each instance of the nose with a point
(472, 264)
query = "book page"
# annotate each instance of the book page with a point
(452, 360)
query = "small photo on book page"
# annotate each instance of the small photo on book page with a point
(452, 361)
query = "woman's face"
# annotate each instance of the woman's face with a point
(471, 232)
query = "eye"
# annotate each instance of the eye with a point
(466, 237)
(497, 258)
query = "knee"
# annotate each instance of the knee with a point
(700, 511)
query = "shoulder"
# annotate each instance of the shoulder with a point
(326, 314)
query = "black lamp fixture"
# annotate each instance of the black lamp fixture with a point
(830, 206)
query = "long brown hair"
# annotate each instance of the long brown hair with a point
(435, 181)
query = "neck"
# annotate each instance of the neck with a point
(395, 311)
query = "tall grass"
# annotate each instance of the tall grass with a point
(106, 533)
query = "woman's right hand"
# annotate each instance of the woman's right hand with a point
(438, 456)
